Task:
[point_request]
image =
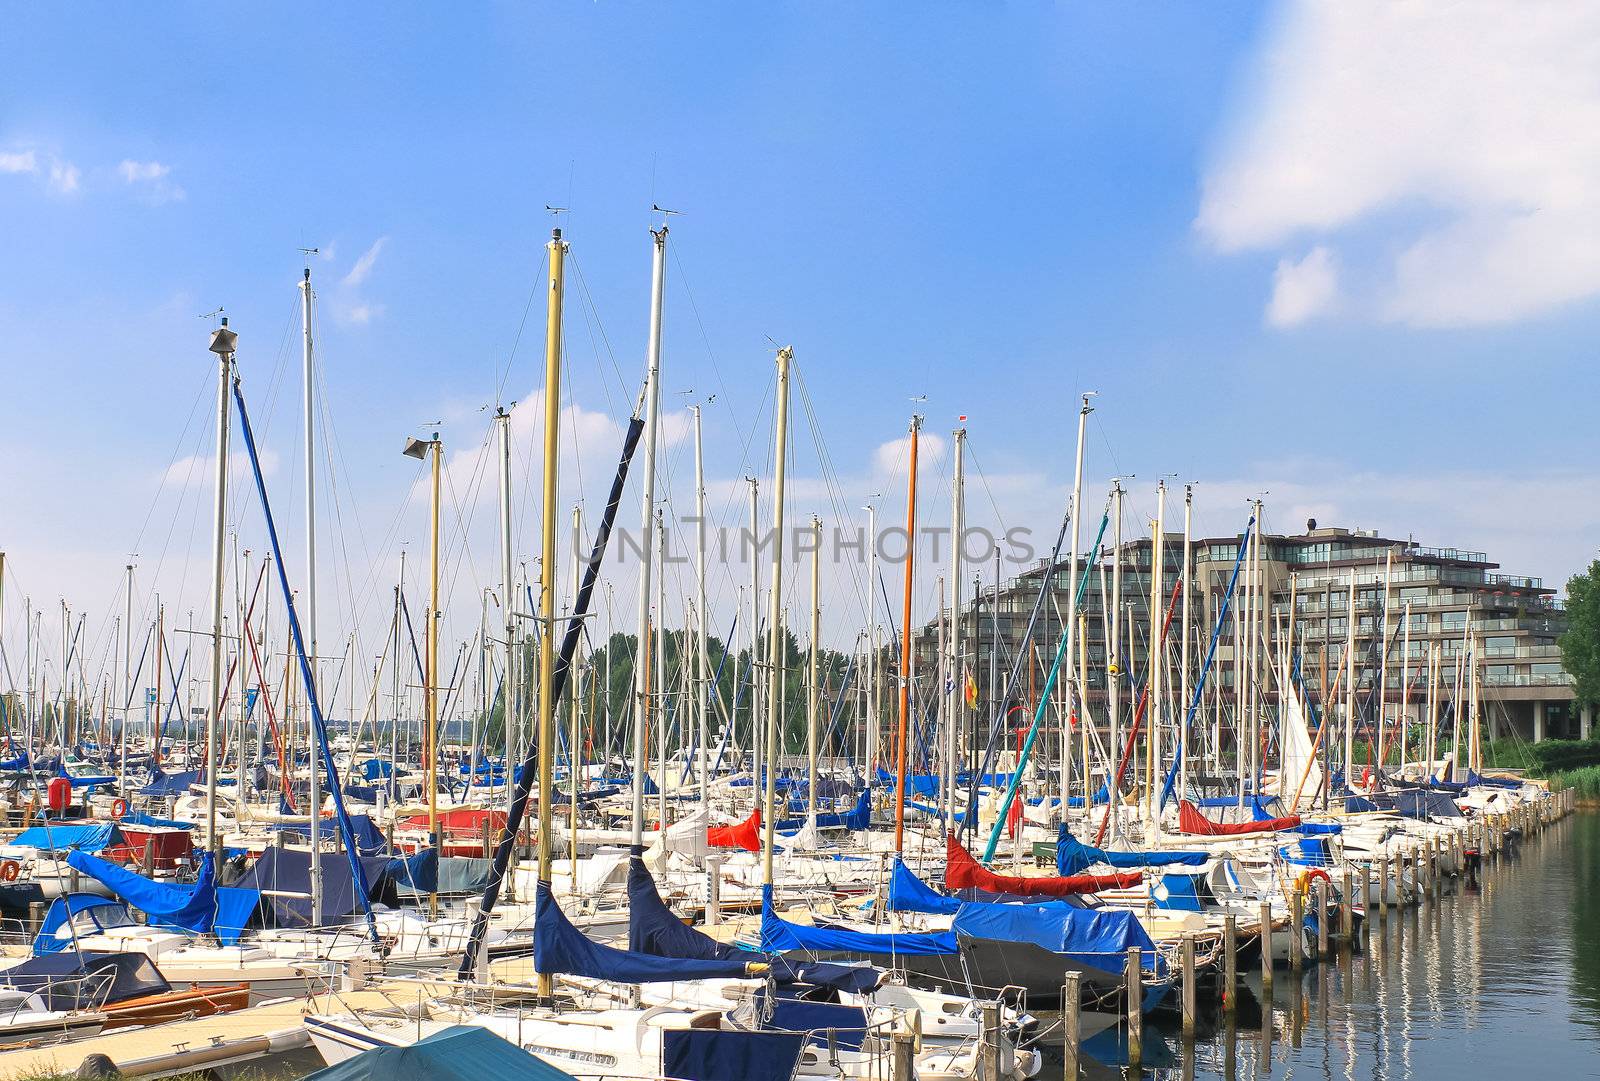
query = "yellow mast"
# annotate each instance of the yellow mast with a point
(547, 563)
(905, 646)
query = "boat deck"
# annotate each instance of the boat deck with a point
(189, 1045)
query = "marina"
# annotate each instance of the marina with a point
(606, 544)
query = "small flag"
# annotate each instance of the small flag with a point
(972, 693)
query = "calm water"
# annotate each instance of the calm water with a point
(1500, 983)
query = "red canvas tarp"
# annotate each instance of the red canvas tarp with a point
(961, 872)
(1191, 821)
(745, 835)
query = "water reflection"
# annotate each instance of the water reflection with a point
(1482, 982)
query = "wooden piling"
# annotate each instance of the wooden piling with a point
(1072, 1036)
(989, 1063)
(1296, 928)
(1190, 1005)
(1347, 912)
(1323, 896)
(1266, 950)
(904, 1053)
(1133, 979)
(1383, 888)
(1230, 963)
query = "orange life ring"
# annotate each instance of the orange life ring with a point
(1303, 883)
(119, 807)
(9, 870)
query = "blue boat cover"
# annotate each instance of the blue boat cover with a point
(189, 907)
(46, 941)
(560, 947)
(780, 935)
(374, 769)
(77, 981)
(369, 838)
(908, 893)
(288, 870)
(1473, 778)
(87, 837)
(848, 1024)
(652, 928)
(139, 818)
(1309, 852)
(1097, 937)
(1420, 803)
(1356, 804)
(169, 784)
(857, 819)
(1073, 857)
(459, 1053)
(18, 763)
(713, 1055)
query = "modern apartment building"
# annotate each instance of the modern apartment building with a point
(1438, 598)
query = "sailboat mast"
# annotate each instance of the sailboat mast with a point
(1184, 675)
(775, 641)
(547, 563)
(872, 642)
(127, 675)
(430, 690)
(756, 730)
(905, 645)
(308, 595)
(1155, 661)
(647, 506)
(1072, 603)
(223, 342)
(509, 698)
(811, 678)
(702, 699)
(956, 698)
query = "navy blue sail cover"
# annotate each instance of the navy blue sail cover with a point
(908, 893)
(712, 1055)
(1074, 857)
(81, 981)
(653, 929)
(559, 947)
(288, 870)
(781, 935)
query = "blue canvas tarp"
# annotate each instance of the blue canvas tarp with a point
(1097, 937)
(715, 1055)
(908, 893)
(288, 870)
(560, 947)
(369, 838)
(189, 907)
(780, 936)
(1422, 804)
(61, 837)
(1074, 857)
(459, 1053)
(163, 785)
(858, 818)
(139, 818)
(653, 929)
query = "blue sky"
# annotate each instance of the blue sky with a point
(1339, 256)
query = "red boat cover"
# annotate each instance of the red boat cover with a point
(1191, 821)
(745, 835)
(961, 872)
(463, 820)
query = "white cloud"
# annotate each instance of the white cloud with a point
(894, 457)
(153, 179)
(356, 314)
(1472, 128)
(363, 267)
(198, 470)
(63, 177)
(135, 171)
(19, 161)
(1304, 289)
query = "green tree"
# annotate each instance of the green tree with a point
(1580, 645)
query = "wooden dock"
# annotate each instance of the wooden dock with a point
(190, 1045)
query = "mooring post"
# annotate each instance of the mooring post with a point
(1135, 988)
(1230, 962)
(1383, 888)
(903, 1054)
(1072, 1036)
(1266, 950)
(1190, 1005)
(1323, 896)
(1296, 928)
(1347, 913)
(989, 1064)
